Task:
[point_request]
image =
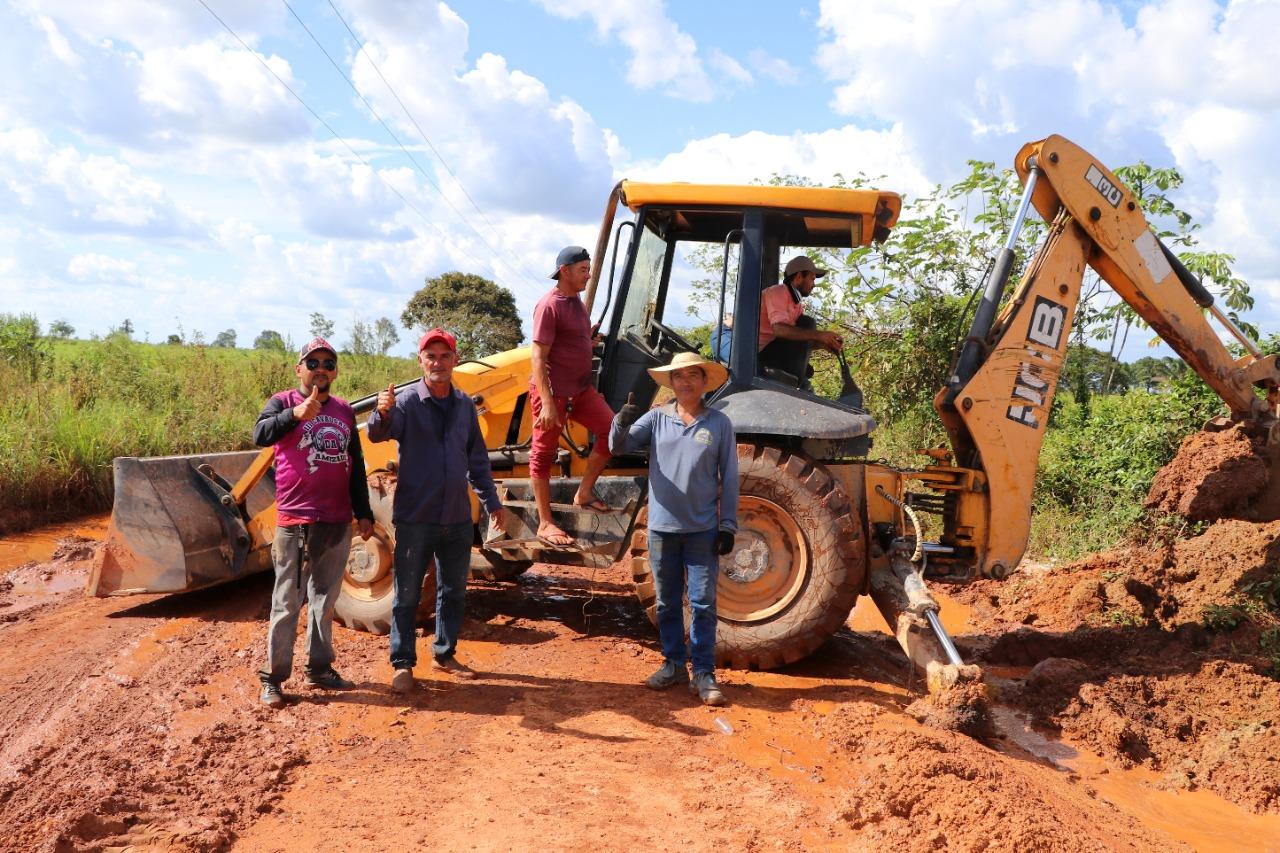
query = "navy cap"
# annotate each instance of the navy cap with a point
(569, 255)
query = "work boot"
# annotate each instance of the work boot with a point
(402, 681)
(451, 665)
(704, 684)
(272, 696)
(668, 675)
(328, 679)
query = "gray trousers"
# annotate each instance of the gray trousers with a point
(326, 547)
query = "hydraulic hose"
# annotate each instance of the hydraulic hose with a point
(919, 553)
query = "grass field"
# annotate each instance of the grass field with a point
(67, 415)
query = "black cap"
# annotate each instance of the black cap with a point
(570, 255)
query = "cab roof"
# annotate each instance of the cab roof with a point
(881, 207)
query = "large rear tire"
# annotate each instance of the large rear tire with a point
(796, 568)
(368, 585)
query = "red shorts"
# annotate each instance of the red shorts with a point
(589, 409)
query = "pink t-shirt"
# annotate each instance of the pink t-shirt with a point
(777, 305)
(313, 469)
(562, 323)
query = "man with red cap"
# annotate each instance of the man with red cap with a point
(320, 483)
(560, 389)
(441, 453)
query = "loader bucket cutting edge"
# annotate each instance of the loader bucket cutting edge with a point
(174, 529)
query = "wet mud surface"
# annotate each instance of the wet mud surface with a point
(135, 722)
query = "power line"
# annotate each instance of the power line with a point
(497, 253)
(339, 137)
(360, 49)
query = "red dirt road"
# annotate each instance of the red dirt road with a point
(135, 722)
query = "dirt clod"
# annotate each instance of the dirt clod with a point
(1214, 475)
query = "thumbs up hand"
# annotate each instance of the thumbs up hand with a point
(387, 399)
(630, 412)
(308, 408)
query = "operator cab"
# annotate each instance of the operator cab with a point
(722, 247)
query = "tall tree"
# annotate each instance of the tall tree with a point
(226, 339)
(321, 326)
(61, 329)
(362, 339)
(481, 314)
(385, 335)
(269, 339)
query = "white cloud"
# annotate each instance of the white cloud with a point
(775, 68)
(817, 156)
(514, 146)
(730, 68)
(333, 197)
(662, 55)
(64, 189)
(146, 24)
(93, 268)
(1190, 83)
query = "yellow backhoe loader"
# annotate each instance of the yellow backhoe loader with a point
(820, 523)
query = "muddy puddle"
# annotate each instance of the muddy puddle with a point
(40, 566)
(1201, 819)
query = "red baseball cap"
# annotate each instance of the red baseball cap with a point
(437, 334)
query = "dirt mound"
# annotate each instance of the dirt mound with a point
(1213, 475)
(927, 790)
(74, 549)
(1164, 585)
(1213, 727)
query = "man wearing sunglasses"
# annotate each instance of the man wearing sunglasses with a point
(320, 484)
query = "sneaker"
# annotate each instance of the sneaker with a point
(272, 696)
(704, 684)
(668, 675)
(452, 665)
(402, 681)
(328, 679)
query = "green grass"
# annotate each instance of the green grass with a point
(91, 401)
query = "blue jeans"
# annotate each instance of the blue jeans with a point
(673, 558)
(449, 547)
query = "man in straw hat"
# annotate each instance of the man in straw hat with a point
(693, 512)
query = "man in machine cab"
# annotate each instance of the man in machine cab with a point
(787, 334)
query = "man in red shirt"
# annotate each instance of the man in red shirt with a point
(562, 343)
(786, 333)
(320, 483)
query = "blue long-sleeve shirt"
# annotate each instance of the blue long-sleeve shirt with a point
(441, 453)
(693, 470)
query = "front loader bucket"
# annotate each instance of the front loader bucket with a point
(174, 526)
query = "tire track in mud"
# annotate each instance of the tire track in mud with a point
(92, 757)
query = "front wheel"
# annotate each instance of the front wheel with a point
(796, 568)
(368, 585)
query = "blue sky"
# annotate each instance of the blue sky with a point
(151, 168)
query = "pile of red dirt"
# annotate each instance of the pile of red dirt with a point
(1214, 475)
(1166, 585)
(1124, 663)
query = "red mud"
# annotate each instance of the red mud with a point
(1214, 475)
(135, 722)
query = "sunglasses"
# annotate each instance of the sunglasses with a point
(327, 363)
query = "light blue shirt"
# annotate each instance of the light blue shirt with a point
(693, 469)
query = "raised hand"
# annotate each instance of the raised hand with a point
(630, 412)
(308, 408)
(387, 399)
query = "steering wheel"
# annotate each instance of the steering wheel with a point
(668, 333)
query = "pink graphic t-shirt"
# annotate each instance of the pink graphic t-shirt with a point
(313, 467)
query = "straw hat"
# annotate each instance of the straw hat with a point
(715, 372)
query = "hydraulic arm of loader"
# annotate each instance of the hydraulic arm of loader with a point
(996, 405)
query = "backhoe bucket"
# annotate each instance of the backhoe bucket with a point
(175, 527)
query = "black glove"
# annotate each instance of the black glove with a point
(629, 413)
(724, 542)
